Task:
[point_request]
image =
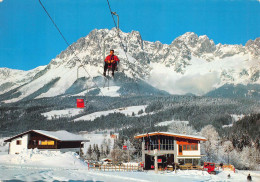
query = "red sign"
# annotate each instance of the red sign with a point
(124, 147)
(159, 160)
(80, 103)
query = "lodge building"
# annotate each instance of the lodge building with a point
(46, 140)
(160, 149)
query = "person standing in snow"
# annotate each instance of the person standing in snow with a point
(111, 60)
(249, 178)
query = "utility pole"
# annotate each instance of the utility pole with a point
(128, 148)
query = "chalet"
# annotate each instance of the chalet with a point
(160, 149)
(45, 140)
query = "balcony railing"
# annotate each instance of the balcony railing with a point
(159, 147)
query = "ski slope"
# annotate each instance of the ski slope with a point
(127, 111)
(167, 123)
(70, 112)
(109, 91)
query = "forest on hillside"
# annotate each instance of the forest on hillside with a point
(241, 138)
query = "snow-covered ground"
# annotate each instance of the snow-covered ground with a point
(127, 111)
(62, 113)
(166, 123)
(70, 112)
(109, 91)
(35, 165)
(235, 118)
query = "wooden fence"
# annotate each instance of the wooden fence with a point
(190, 166)
(126, 168)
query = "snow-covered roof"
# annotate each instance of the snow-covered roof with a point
(61, 135)
(193, 137)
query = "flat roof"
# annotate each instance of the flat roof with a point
(192, 137)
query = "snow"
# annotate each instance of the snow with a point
(169, 68)
(200, 76)
(227, 126)
(70, 112)
(36, 158)
(61, 135)
(3, 146)
(97, 139)
(18, 77)
(67, 75)
(235, 118)
(109, 91)
(35, 165)
(166, 123)
(127, 111)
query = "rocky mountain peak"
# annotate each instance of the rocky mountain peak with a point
(187, 57)
(254, 47)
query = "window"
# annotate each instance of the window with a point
(46, 142)
(18, 142)
(192, 147)
(184, 147)
(196, 147)
(188, 147)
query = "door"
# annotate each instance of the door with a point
(180, 149)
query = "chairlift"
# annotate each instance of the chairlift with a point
(80, 103)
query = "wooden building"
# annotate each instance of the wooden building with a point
(160, 149)
(45, 140)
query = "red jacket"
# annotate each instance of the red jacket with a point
(112, 59)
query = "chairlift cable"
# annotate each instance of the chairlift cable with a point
(122, 45)
(57, 28)
(78, 59)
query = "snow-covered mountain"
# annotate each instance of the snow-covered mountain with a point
(190, 64)
(11, 78)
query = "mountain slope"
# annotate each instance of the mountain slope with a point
(190, 64)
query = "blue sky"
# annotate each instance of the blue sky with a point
(28, 38)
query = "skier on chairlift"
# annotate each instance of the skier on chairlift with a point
(111, 62)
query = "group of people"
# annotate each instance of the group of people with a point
(111, 61)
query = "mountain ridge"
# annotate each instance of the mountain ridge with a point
(190, 64)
